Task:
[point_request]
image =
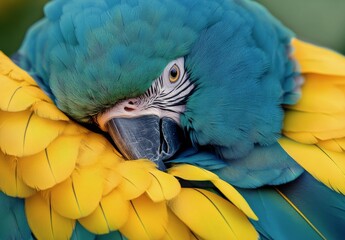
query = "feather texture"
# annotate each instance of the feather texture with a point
(10, 182)
(302, 209)
(44, 222)
(163, 186)
(76, 185)
(143, 215)
(218, 220)
(327, 166)
(54, 165)
(193, 173)
(103, 220)
(314, 127)
(13, 222)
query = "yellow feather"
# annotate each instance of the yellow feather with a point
(190, 172)
(303, 137)
(318, 60)
(193, 173)
(135, 179)
(48, 110)
(315, 137)
(210, 216)
(176, 229)
(24, 133)
(147, 220)
(8, 68)
(91, 147)
(14, 97)
(163, 186)
(109, 160)
(111, 214)
(79, 195)
(235, 197)
(54, 164)
(74, 129)
(341, 142)
(296, 121)
(339, 133)
(330, 80)
(44, 222)
(10, 182)
(326, 166)
(111, 180)
(320, 97)
(331, 145)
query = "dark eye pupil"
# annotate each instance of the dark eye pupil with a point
(173, 72)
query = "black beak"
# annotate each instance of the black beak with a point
(147, 136)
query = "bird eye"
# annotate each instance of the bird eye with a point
(174, 73)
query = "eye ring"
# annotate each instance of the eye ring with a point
(174, 73)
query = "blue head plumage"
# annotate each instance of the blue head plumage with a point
(90, 54)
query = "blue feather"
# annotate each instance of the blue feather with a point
(13, 223)
(263, 166)
(106, 46)
(239, 66)
(116, 235)
(80, 233)
(323, 210)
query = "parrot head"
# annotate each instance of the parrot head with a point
(151, 73)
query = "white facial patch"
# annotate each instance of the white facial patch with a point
(165, 98)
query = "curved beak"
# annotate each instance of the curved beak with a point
(146, 136)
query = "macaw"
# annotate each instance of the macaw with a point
(170, 119)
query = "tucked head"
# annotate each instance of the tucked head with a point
(199, 65)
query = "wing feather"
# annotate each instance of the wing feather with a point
(79, 195)
(26, 133)
(10, 181)
(105, 218)
(143, 219)
(219, 219)
(193, 173)
(163, 186)
(325, 165)
(53, 164)
(314, 128)
(44, 222)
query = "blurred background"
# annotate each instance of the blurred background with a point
(317, 21)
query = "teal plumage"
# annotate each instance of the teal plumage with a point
(322, 208)
(112, 50)
(13, 221)
(81, 233)
(112, 57)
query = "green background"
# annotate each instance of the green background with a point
(318, 21)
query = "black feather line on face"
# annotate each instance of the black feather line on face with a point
(156, 97)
